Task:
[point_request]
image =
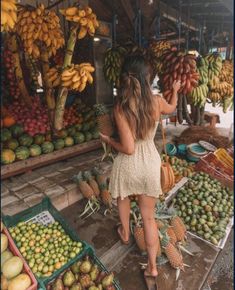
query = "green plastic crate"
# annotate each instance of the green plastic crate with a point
(28, 214)
(91, 253)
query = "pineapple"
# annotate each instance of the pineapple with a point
(91, 181)
(139, 238)
(100, 178)
(179, 228)
(160, 224)
(103, 119)
(173, 255)
(84, 187)
(170, 232)
(159, 250)
(105, 195)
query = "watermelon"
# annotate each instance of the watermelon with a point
(39, 139)
(68, 141)
(35, 150)
(88, 136)
(78, 127)
(85, 127)
(17, 130)
(47, 147)
(5, 134)
(71, 131)
(22, 153)
(11, 144)
(59, 144)
(7, 156)
(25, 140)
(79, 137)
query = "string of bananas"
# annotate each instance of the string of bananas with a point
(215, 64)
(8, 15)
(112, 63)
(54, 76)
(76, 77)
(199, 95)
(37, 26)
(158, 47)
(226, 73)
(86, 19)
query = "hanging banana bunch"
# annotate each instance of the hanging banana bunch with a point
(8, 15)
(54, 76)
(112, 63)
(86, 19)
(77, 76)
(37, 26)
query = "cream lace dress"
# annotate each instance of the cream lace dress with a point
(138, 173)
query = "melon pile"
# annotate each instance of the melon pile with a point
(12, 272)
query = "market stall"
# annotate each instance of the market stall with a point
(61, 70)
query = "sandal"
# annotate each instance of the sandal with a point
(120, 235)
(151, 281)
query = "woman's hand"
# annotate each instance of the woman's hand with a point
(176, 86)
(104, 138)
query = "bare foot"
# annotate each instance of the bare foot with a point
(123, 237)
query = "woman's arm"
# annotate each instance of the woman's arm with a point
(127, 143)
(168, 108)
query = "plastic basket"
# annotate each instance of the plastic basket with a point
(37, 212)
(12, 247)
(91, 253)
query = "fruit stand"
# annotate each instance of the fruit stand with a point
(61, 73)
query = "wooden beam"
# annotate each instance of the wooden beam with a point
(173, 15)
(128, 10)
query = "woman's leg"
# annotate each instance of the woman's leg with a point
(124, 215)
(147, 205)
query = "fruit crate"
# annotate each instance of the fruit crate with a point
(39, 213)
(12, 247)
(215, 168)
(91, 253)
(223, 241)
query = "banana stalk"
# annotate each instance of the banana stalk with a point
(50, 99)
(13, 45)
(63, 93)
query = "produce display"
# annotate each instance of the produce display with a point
(112, 64)
(84, 274)
(30, 136)
(45, 248)
(8, 15)
(205, 206)
(13, 275)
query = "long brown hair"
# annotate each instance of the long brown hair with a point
(135, 98)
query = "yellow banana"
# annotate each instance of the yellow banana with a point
(71, 11)
(82, 87)
(67, 83)
(82, 32)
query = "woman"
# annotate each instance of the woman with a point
(136, 169)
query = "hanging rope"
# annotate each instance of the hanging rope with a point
(188, 18)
